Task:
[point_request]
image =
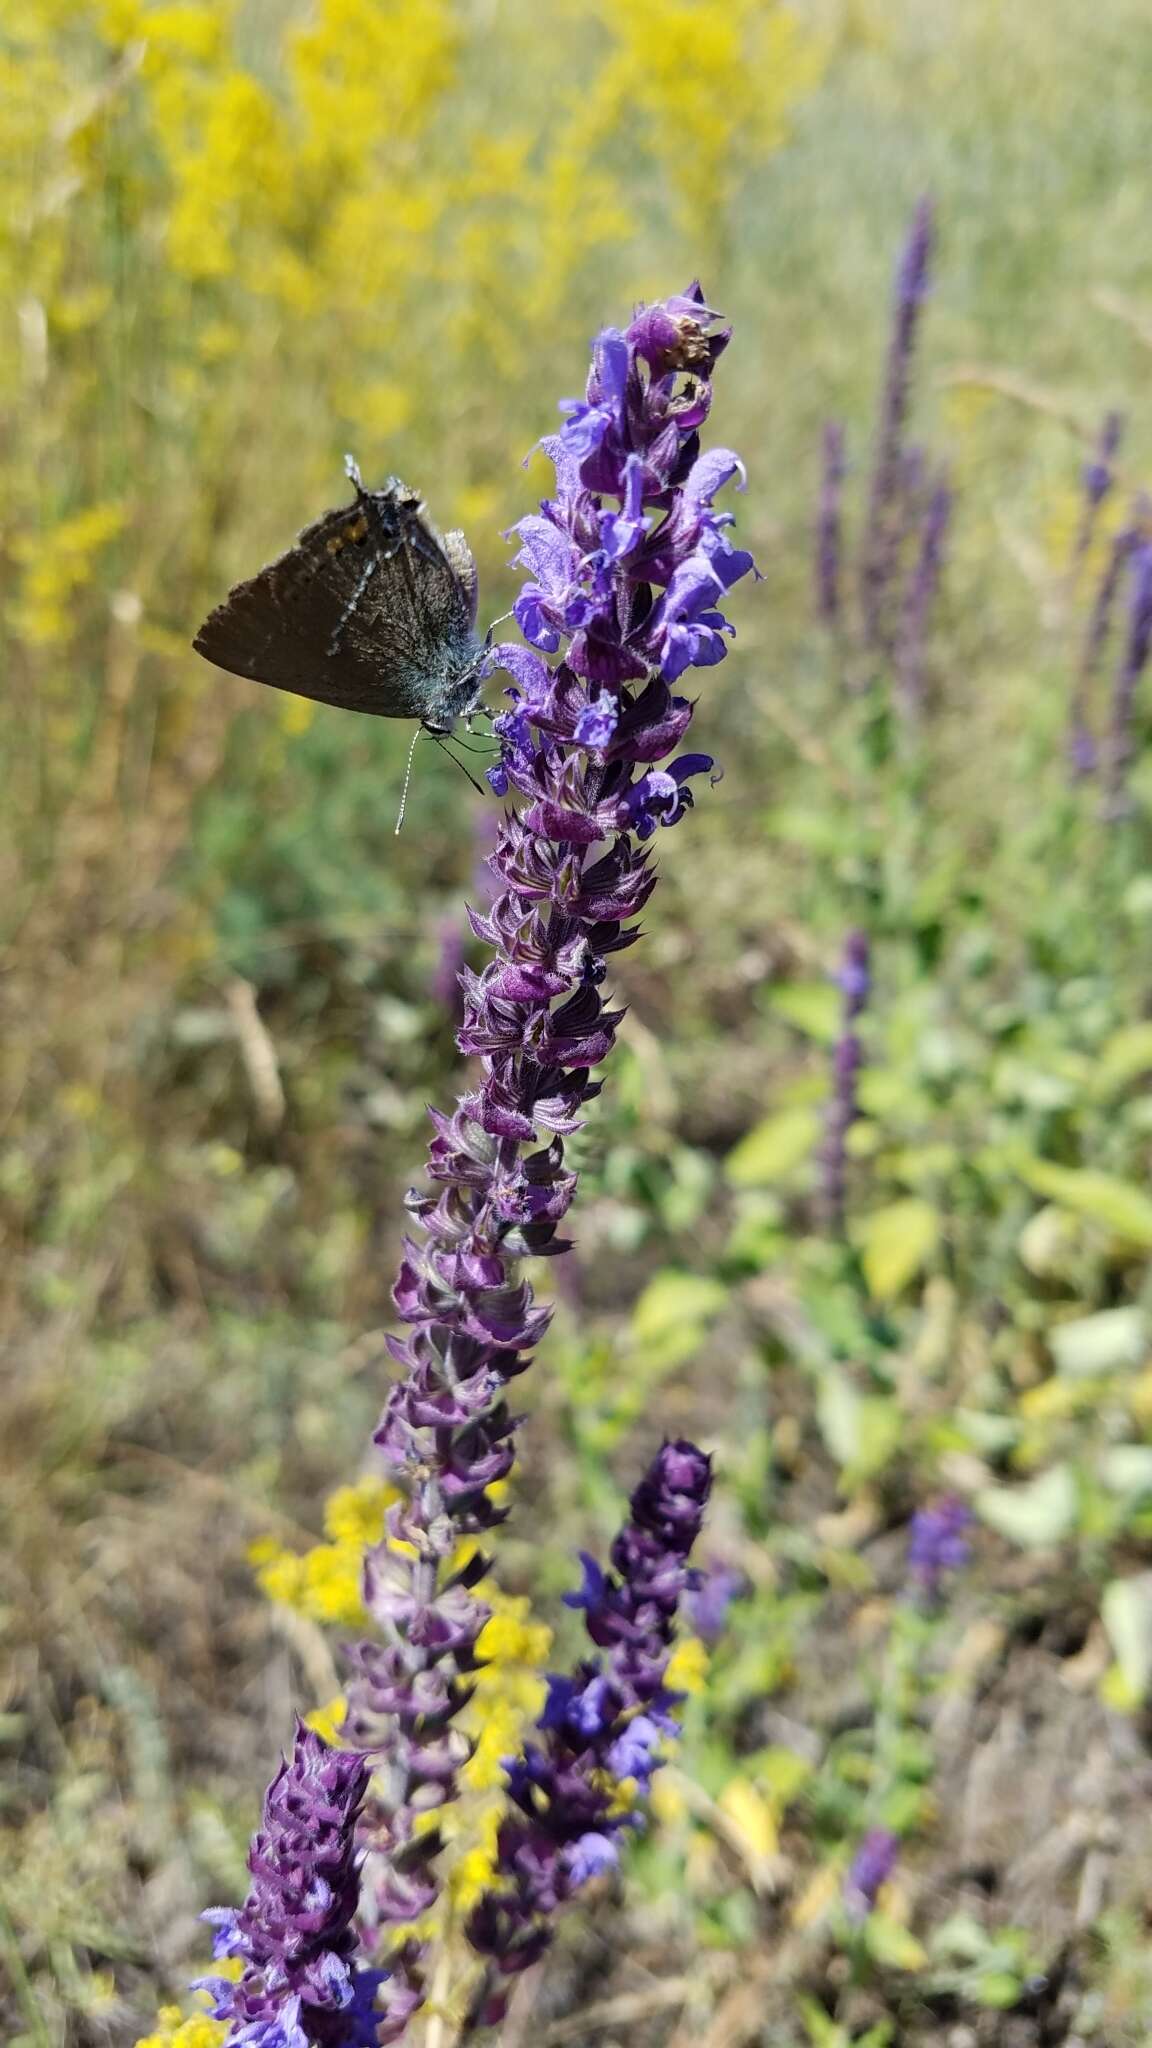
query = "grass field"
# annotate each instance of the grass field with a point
(237, 243)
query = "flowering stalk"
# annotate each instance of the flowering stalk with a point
(855, 982)
(603, 1723)
(888, 488)
(632, 591)
(1082, 748)
(921, 591)
(1097, 478)
(300, 1986)
(829, 525)
(1121, 742)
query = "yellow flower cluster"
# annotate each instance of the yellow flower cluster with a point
(324, 1583)
(177, 2032)
(177, 2029)
(174, 2030)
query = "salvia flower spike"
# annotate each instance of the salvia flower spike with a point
(1121, 750)
(888, 489)
(602, 1723)
(627, 568)
(303, 1983)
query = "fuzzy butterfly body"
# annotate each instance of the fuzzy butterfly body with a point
(373, 610)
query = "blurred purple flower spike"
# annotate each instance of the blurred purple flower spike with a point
(709, 1598)
(1097, 478)
(885, 516)
(869, 1871)
(601, 1723)
(1121, 750)
(938, 1543)
(829, 525)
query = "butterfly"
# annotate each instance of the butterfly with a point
(373, 610)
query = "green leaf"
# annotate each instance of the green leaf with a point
(1127, 1469)
(774, 1148)
(999, 1989)
(1036, 1515)
(861, 1430)
(673, 1312)
(1126, 1611)
(812, 1007)
(822, 2032)
(892, 1946)
(1108, 1342)
(1122, 1059)
(1121, 1207)
(895, 1244)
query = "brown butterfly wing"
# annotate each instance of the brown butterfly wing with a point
(365, 612)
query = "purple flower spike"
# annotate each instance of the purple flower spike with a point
(829, 518)
(301, 1986)
(1133, 661)
(938, 1544)
(921, 591)
(870, 1870)
(602, 1723)
(627, 568)
(1083, 752)
(1097, 478)
(854, 978)
(888, 488)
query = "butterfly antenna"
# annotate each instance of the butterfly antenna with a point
(407, 775)
(352, 472)
(442, 743)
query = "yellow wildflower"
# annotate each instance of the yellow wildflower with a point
(688, 1666)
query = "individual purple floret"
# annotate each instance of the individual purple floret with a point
(710, 1595)
(921, 591)
(938, 1543)
(854, 979)
(885, 516)
(602, 1723)
(869, 1871)
(628, 564)
(829, 522)
(1133, 661)
(301, 1985)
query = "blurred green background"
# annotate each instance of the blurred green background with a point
(235, 241)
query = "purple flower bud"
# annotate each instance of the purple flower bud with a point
(938, 1544)
(870, 1870)
(709, 1599)
(1097, 478)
